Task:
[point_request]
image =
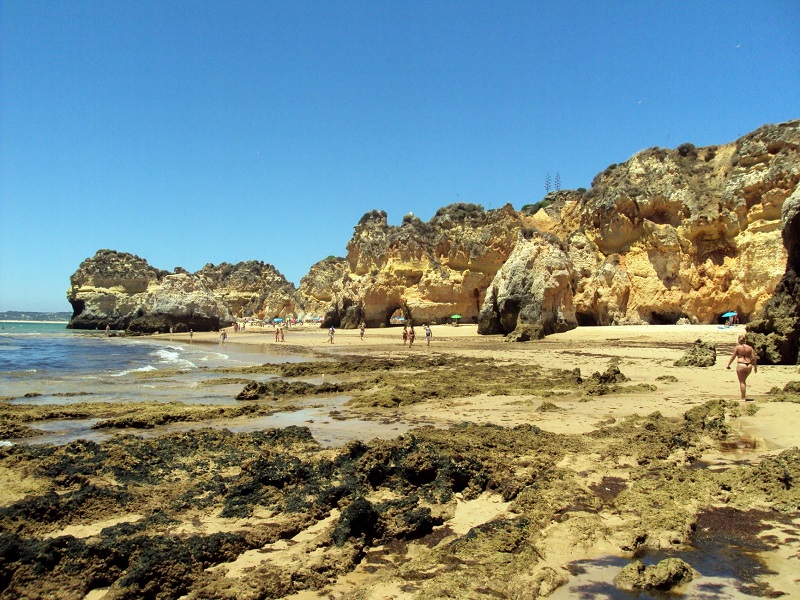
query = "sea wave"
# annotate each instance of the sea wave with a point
(214, 356)
(144, 369)
(171, 355)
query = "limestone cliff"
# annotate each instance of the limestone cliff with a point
(531, 295)
(251, 288)
(776, 331)
(669, 234)
(123, 291)
(318, 288)
(688, 233)
(427, 271)
(691, 232)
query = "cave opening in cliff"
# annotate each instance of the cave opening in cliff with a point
(397, 316)
(586, 319)
(665, 318)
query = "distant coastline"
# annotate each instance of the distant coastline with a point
(65, 322)
(30, 316)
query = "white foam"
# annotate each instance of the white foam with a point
(214, 356)
(5, 443)
(144, 369)
(171, 355)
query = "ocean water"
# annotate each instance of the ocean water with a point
(45, 363)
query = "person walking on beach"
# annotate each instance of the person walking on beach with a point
(428, 335)
(331, 332)
(411, 336)
(283, 338)
(191, 335)
(222, 337)
(362, 329)
(405, 335)
(745, 358)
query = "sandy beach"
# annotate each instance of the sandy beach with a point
(642, 352)
(530, 470)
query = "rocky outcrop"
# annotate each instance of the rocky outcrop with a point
(667, 574)
(776, 333)
(319, 287)
(691, 232)
(531, 295)
(123, 291)
(424, 271)
(251, 288)
(668, 236)
(699, 354)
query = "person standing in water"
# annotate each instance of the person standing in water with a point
(745, 358)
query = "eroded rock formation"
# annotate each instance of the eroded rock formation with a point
(251, 288)
(684, 234)
(123, 291)
(777, 330)
(319, 286)
(669, 235)
(531, 295)
(691, 232)
(427, 271)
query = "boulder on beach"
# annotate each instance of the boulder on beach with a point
(667, 574)
(699, 354)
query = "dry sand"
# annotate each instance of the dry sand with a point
(641, 352)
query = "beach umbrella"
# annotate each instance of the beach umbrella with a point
(455, 316)
(730, 313)
(278, 320)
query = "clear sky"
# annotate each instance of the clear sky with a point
(194, 132)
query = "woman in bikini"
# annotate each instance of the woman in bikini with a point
(745, 358)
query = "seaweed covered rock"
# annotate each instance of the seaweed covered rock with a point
(667, 574)
(699, 354)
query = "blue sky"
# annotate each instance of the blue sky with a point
(206, 132)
